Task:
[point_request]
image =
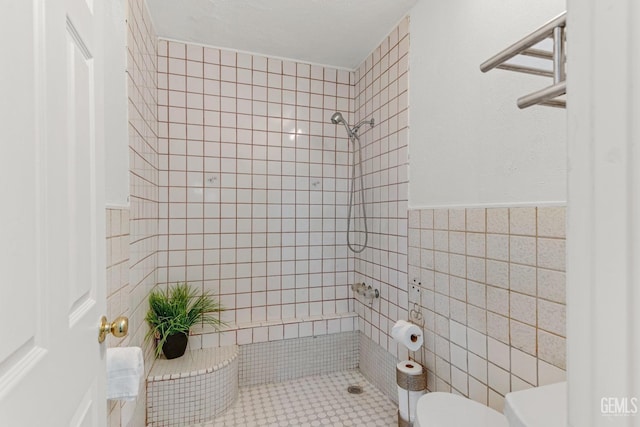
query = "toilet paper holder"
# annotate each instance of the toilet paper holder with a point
(411, 378)
(367, 291)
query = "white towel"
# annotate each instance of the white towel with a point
(125, 367)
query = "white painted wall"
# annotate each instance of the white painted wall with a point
(469, 143)
(115, 99)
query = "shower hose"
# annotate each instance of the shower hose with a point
(354, 138)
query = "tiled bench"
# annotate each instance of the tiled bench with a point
(204, 382)
(194, 388)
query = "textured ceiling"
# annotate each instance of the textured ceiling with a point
(338, 33)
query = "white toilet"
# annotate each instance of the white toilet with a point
(450, 410)
(536, 407)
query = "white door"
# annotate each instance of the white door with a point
(52, 255)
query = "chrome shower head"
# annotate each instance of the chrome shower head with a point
(337, 118)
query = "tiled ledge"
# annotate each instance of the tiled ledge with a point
(194, 362)
(273, 330)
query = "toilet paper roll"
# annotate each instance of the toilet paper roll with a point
(407, 334)
(412, 384)
(411, 376)
(408, 413)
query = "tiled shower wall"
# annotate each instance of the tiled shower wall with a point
(133, 232)
(144, 177)
(382, 93)
(491, 286)
(117, 222)
(253, 183)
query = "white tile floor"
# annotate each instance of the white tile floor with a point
(311, 401)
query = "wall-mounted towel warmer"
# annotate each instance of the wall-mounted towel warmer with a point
(549, 96)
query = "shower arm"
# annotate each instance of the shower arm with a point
(363, 122)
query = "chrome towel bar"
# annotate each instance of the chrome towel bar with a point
(554, 29)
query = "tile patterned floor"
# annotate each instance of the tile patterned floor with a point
(311, 401)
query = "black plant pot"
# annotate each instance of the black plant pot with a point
(175, 345)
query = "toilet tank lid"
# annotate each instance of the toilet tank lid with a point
(446, 410)
(544, 406)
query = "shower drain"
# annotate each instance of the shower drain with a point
(354, 389)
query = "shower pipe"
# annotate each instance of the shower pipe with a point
(352, 132)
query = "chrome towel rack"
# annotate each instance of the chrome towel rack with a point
(555, 29)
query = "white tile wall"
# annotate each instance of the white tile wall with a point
(118, 288)
(253, 185)
(381, 93)
(492, 297)
(132, 232)
(144, 160)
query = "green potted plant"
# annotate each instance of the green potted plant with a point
(172, 313)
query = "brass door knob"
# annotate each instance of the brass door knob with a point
(119, 328)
